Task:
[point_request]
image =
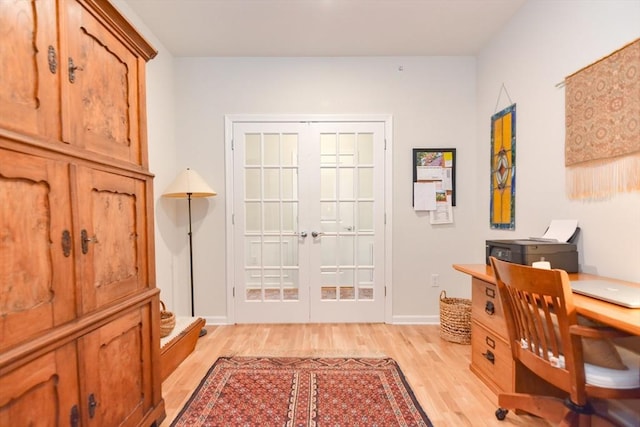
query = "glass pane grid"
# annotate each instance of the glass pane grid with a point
(347, 196)
(271, 217)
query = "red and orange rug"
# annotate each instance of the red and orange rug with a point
(293, 391)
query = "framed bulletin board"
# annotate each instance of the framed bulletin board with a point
(437, 165)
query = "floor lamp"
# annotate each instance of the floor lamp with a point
(187, 185)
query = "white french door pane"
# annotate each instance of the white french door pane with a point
(328, 183)
(289, 184)
(365, 149)
(365, 183)
(365, 250)
(346, 251)
(346, 183)
(271, 149)
(365, 216)
(271, 216)
(252, 184)
(253, 149)
(271, 252)
(289, 149)
(253, 216)
(329, 250)
(271, 183)
(289, 217)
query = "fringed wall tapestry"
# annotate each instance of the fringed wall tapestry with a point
(602, 141)
(503, 169)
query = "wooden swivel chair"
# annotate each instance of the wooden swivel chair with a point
(546, 337)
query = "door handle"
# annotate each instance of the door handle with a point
(316, 234)
(85, 240)
(302, 234)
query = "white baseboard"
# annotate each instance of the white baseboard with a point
(216, 320)
(395, 320)
(415, 320)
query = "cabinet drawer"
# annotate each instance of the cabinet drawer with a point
(491, 357)
(486, 307)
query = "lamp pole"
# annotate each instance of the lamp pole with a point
(191, 255)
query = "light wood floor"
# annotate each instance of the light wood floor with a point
(437, 370)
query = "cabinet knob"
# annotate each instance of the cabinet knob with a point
(72, 71)
(490, 356)
(74, 416)
(85, 240)
(489, 308)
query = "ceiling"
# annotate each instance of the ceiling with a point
(324, 27)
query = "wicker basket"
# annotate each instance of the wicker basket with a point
(455, 319)
(167, 321)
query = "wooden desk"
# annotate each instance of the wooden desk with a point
(491, 358)
(622, 318)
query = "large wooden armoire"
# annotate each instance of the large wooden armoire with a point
(79, 310)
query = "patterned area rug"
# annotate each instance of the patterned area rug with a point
(292, 391)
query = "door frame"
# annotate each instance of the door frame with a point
(229, 121)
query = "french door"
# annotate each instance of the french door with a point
(308, 222)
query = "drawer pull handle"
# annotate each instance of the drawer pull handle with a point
(51, 58)
(66, 243)
(92, 405)
(74, 416)
(489, 356)
(489, 308)
(85, 240)
(490, 292)
(490, 342)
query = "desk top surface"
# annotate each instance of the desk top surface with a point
(626, 319)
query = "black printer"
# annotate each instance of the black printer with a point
(527, 251)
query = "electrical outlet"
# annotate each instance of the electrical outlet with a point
(435, 280)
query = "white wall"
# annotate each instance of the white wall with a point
(544, 42)
(432, 102)
(162, 154)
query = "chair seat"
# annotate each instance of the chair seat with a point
(615, 378)
(609, 378)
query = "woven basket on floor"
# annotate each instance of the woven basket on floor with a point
(167, 321)
(455, 319)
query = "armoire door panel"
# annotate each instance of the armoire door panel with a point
(120, 349)
(36, 277)
(111, 232)
(102, 81)
(42, 392)
(30, 67)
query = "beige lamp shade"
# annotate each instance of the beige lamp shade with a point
(189, 182)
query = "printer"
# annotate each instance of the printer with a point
(562, 255)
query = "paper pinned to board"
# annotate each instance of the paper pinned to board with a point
(560, 230)
(424, 196)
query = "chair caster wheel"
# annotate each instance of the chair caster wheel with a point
(501, 413)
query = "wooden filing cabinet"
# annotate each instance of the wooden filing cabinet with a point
(491, 358)
(490, 353)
